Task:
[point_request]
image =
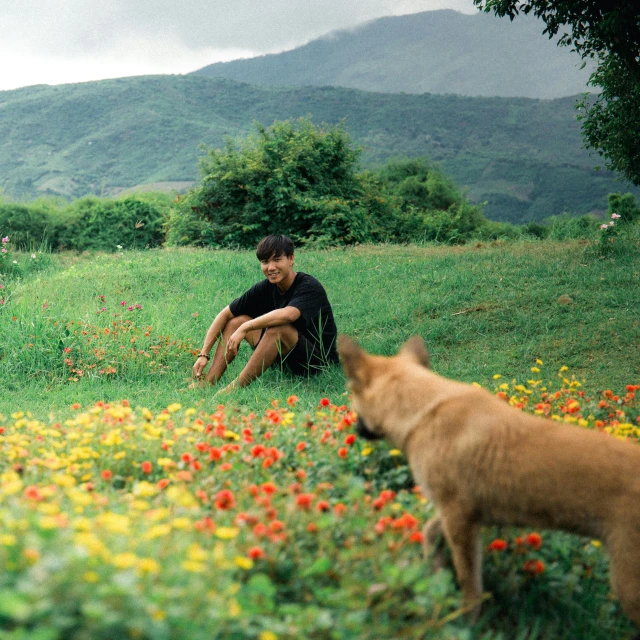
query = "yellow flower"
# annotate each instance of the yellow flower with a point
(124, 560)
(91, 576)
(8, 540)
(395, 452)
(190, 412)
(538, 361)
(243, 563)
(227, 533)
(192, 566)
(366, 451)
(148, 565)
(497, 376)
(267, 635)
(175, 406)
(234, 608)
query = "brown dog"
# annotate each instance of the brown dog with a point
(482, 462)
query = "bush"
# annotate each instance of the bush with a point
(95, 224)
(625, 206)
(28, 227)
(299, 179)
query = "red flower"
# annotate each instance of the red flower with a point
(497, 545)
(350, 439)
(258, 450)
(163, 484)
(106, 475)
(186, 457)
(301, 446)
(416, 536)
(291, 400)
(304, 500)
(33, 493)
(322, 506)
(269, 488)
(225, 500)
(312, 527)
(534, 540)
(343, 452)
(255, 553)
(340, 509)
(534, 567)
(146, 467)
(215, 454)
(325, 402)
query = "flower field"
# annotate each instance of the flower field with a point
(220, 522)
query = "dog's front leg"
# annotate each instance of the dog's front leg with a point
(463, 537)
(433, 542)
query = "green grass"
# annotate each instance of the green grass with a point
(482, 310)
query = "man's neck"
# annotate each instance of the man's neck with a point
(285, 284)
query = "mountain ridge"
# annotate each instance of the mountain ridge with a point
(522, 156)
(429, 52)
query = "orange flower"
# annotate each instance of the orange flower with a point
(163, 484)
(225, 499)
(304, 500)
(146, 467)
(322, 506)
(416, 536)
(255, 553)
(497, 545)
(106, 475)
(534, 567)
(301, 446)
(269, 488)
(533, 540)
(291, 400)
(343, 452)
(33, 493)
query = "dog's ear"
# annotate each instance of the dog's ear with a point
(415, 349)
(353, 359)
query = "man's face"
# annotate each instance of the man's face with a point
(277, 269)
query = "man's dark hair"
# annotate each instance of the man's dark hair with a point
(274, 246)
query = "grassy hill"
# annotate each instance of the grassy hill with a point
(522, 156)
(435, 51)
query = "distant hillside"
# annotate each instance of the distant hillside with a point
(435, 51)
(522, 156)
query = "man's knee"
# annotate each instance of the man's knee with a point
(285, 335)
(234, 324)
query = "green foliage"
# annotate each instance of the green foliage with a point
(608, 31)
(299, 179)
(114, 134)
(292, 178)
(27, 226)
(94, 224)
(625, 206)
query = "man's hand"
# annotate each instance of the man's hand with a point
(233, 344)
(199, 366)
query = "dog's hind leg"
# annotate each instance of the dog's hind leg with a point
(434, 542)
(624, 573)
(463, 536)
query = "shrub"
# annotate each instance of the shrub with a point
(97, 224)
(625, 206)
(28, 226)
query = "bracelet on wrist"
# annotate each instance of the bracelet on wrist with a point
(203, 355)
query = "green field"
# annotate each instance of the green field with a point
(154, 518)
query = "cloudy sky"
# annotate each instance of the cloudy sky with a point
(59, 41)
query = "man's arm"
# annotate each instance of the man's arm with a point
(214, 332)
(274, 318)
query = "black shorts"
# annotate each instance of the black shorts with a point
(304, 359)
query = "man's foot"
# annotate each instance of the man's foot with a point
(232, 386)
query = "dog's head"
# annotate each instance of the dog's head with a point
(369, 379)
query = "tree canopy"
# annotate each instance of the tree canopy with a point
(609, 32)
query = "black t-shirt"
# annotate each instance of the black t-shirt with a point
(306, 294)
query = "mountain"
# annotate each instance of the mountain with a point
(435, 51)
(522, 156)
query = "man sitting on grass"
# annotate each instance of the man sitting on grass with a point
(286, 319)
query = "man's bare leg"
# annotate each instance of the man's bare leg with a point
(221, 358)
(276, 340)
